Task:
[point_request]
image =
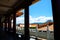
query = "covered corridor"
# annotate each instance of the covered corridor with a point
(8, 11)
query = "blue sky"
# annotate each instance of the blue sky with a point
(38, 12)
(41, 8)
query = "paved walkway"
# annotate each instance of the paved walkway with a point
(7, 36)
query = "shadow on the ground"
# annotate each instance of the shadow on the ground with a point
(7, 36)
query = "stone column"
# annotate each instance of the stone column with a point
(48, 33)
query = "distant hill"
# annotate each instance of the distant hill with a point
(48, 21)
(40, 22)
(37, 23)
(44, 22)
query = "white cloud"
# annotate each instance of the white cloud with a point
(20, 20)
(40, 19)
(34, 20)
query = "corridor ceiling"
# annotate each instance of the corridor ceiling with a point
(6, 5)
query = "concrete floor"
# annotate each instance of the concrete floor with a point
(7, 36)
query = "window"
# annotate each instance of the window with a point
(42, 18)
(20, 23)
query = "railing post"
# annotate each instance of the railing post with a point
(48, 33)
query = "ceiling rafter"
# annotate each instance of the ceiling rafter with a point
(1, 5)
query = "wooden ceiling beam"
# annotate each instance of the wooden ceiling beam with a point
(2, 5)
